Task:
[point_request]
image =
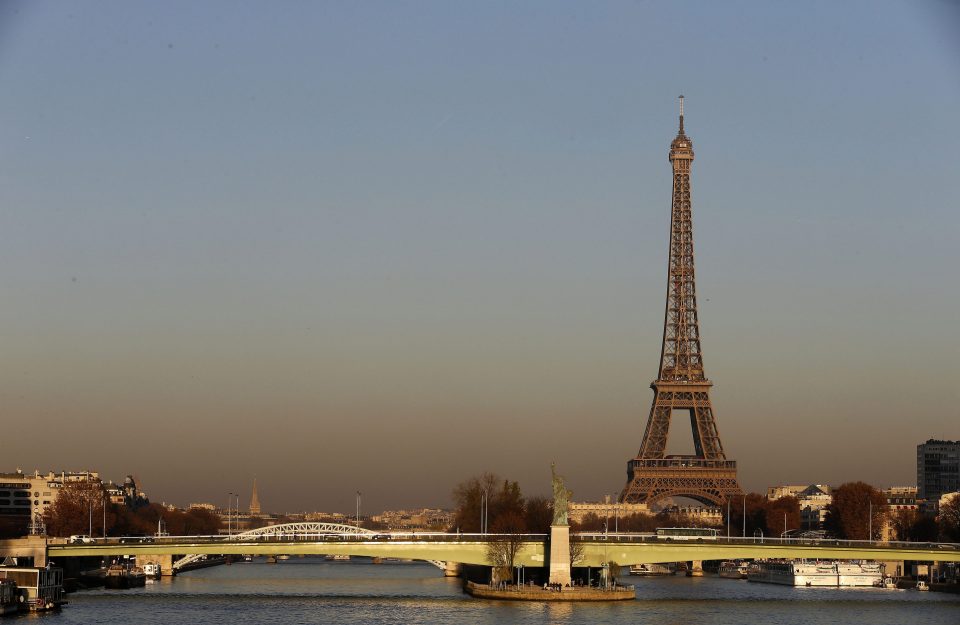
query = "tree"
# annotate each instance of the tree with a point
(469, 496)
(781, 515)
(755, 508)
(78, 509)
(849, 514)
(538, 515)
(638, 522)
(589, 522)
(949, 519)
(503, 499)
(502, 551)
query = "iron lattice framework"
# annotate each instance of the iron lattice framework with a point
(298, 532)
(707, 475)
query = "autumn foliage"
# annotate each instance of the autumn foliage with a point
(79, 507)
(856, 510)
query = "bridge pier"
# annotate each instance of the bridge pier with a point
(451, 569)
(165, 560)
(34, 547)
(695, 568)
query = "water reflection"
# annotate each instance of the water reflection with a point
(313, 590)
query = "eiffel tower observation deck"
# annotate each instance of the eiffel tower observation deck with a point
(706, 476)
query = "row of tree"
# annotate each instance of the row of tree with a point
(82, 508)
(499, 504)
(858, 511)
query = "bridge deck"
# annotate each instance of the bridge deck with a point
(624, 549)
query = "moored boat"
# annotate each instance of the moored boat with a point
(152, 570)
(648, 570)
(859, 573)
(9, 596)
(733, 569)
(794, 573)
(38, 588)
(121, 576)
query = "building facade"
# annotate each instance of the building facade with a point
(604, 510)
(938, 470)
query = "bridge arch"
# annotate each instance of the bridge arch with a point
(296, 531)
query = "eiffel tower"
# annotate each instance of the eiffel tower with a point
(706, 476)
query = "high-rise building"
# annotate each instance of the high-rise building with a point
(938, 470)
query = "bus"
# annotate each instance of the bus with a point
(687, 533)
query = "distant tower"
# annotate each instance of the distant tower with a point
(254, 500)
(707, 475)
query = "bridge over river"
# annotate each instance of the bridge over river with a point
(532, 549)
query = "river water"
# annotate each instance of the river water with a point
(359, 592)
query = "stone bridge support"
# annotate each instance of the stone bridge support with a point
(451, 569)
(34, 547)
(164, 560)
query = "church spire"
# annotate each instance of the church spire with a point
(254, 500)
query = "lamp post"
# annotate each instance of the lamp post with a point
(484, 504)
(358, 512)
(90, 509)
(104, 515)
(229, 514)
(870, 520)
(744, 516)
(728, 518)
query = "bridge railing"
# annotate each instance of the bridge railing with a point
(644, 537)
(311, 537)
(621, 537)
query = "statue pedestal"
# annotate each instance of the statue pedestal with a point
(560, 554)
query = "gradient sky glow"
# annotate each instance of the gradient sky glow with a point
(383, 246)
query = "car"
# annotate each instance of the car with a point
(81, 538)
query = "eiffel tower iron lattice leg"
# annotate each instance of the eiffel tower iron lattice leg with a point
(707, 475)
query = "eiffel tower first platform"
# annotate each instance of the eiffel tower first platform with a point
(706, 476)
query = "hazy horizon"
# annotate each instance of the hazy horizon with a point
(384, 247)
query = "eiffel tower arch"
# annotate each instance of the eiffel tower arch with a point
(706, 475)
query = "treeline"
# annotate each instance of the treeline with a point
(500, 504)
(81, 507)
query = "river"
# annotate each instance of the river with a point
(308, 591)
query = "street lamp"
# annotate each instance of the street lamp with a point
(728, 518)
(744, 516)
(870, 520)
(484, 504)
(229, 514)
(358, 512)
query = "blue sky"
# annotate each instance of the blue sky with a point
(385, 246)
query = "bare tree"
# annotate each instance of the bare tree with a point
(576, 550)
(502, 550)
(949, 519)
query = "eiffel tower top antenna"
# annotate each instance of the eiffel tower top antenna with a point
(681, 114)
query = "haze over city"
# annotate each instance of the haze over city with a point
(384, 247)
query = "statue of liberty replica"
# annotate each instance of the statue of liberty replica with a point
(560, 531)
